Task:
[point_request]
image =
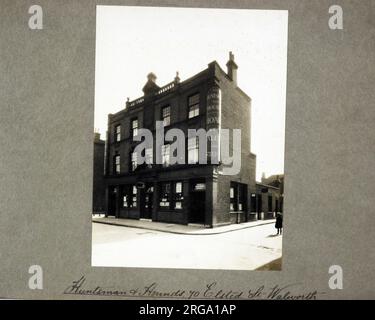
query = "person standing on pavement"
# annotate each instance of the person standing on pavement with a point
(279, 223)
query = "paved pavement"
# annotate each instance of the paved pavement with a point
(191, 229)
(244, 249)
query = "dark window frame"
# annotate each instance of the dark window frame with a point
(196, 106)
(172, 196)
(117, 133)
(128, 196)
(134, 130)
(233, 199)
(166, 146)
(133, 163)
(117, 166)
(238, 203)
(168, 116)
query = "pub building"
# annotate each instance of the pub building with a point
(188, 193)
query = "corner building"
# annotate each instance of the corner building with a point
(188, 193)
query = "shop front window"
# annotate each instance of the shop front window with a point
(178, 196)
(129, 196)
(238, 194)
(116, 163)
(171, 195)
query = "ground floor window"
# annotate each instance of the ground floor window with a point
(178, 196)
(238, 194)
(165, 193)
(149, 157)
(193, 150)
(171, 195)
(148, 197)
(129, 196)
(232, 197)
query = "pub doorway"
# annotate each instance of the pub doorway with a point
(197, 208)
(260, 207)
(147, 196)
(112, 201)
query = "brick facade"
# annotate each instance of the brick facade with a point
(197, 193)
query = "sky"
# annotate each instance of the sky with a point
(134, 41)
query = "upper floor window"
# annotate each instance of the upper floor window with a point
(232, 197)
(193, 150)
(193, 105)
(178, 196)
(134, 128)
(166, 115)
(134, 162)
(165, 154)
(148, 156)
(116, 161)
(117, 133)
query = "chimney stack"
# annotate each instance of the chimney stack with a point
(232, 68)
(263, 177)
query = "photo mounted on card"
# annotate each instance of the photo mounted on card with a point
(189, 138)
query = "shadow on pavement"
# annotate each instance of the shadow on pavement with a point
(274, 265)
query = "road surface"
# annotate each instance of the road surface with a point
(245, 249)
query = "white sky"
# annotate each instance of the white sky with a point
(133, 41)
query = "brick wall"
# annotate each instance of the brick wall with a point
(98, 178)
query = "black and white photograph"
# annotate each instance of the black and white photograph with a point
(189, 138)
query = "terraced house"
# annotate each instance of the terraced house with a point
(181, 193)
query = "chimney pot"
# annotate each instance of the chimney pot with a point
(231, 56)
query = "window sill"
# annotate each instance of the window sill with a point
(194, 117)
